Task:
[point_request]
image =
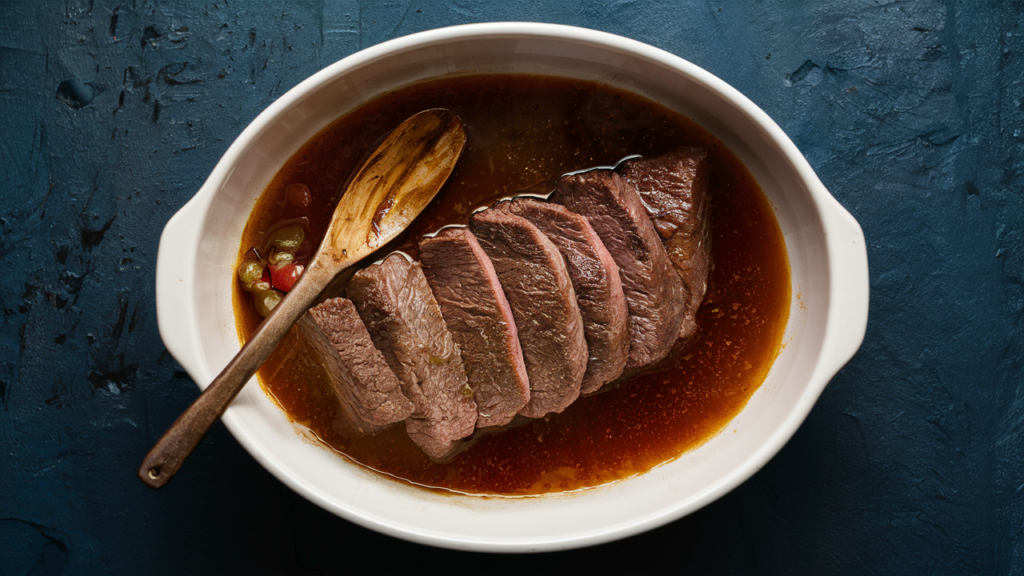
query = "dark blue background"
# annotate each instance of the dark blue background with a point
(113, 113)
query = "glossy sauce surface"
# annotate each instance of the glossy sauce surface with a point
(524, 131)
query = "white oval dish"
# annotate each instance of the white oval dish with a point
(828, 314)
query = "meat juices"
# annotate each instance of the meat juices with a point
(654, 291)
(368, 390)
(595, 279)
(539, 291)
(478, 315)
(405, 323)
(673, 188)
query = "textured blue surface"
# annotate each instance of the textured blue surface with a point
(112, 114)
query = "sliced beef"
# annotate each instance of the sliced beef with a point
(539, 291)
(478, 315)
(674, 190)
(405, 323)
(654, 291)
(595, 279)
(367, 388)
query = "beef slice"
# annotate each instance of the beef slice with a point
(474, 307)
(655, 293)
(595, 279)
(540, 294)
(674, 190)
(368, 390)
(405, 323)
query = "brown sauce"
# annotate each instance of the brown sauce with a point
(522, 131)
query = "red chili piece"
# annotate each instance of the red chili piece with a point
(285, 277)
(299, 195)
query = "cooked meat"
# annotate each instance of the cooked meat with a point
(405, 323)
(595, 279)
(654, 291)
(368, 390)
(478, 315)
(539, 291)
(673, 188)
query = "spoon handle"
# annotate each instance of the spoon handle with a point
(168, 454)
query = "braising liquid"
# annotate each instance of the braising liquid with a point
(522, 131)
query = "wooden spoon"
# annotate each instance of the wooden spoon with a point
(400, 178)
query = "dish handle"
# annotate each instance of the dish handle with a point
(849, 290)
(175, 285)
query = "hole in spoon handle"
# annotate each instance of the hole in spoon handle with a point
(167, 456)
